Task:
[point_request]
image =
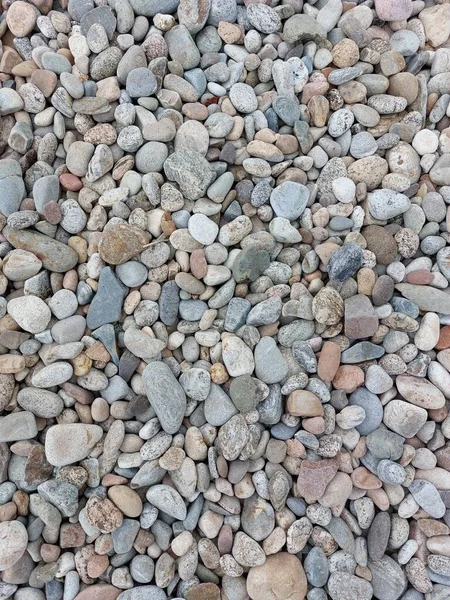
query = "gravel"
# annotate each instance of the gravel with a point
(224, 300)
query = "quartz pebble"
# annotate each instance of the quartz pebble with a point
(224, 300)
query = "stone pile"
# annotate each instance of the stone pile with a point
(224, 299)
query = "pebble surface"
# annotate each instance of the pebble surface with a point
(224, 300)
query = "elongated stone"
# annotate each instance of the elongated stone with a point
(166, 395)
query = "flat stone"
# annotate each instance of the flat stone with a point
(360, 319)
(166, 396)
(106, 306)
(427, 298)
(270, 365)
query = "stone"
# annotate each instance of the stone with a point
(281, 577)
(13, 543)
(54, 255)
(191, 171)
(160, 384)
(167, 500)
(30, 313)
(427, 298)
(289, 200)
(388, 579)
(427, 497)
(106, 306)
(68, 444)
(345, 585)
(404, 418)
(345, 262)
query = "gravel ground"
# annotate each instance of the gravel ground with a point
(224, 300)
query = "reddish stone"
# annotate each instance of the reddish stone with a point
(360, 318)
(444, 338)
(329, 359)
(81, 395)
(364, 479)
(70, 182)
(51, 212)
(112, 479)
(348, 378)
(71, 535)
(225, 540)
(315, 425)
(102, 591)
(198, 264)
(420, 277)
(50, 552)
(313, 478)
(97, 565)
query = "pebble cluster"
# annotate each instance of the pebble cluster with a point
(225, 302)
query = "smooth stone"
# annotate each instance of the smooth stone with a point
(361, 352)
(388, 579)
(55, 256)
(404, 418)
(428, 498)
(165, 395)
(387, 204)
(68, 444)
(289, 200)
(168, 500)
(281, 577)
(270, 364)
(427, 298)
(30, 313)
(13, 543)
(42, 403)
(18, 426)
(372, 407)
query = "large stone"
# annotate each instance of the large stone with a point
(281, 577)
(13, 543)
(54, 255)
(30, 313)
(121, 242)
(420, 392)
(168, 500)
(388, 579)
(427, 298)
(68, 444)
(303, 28)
